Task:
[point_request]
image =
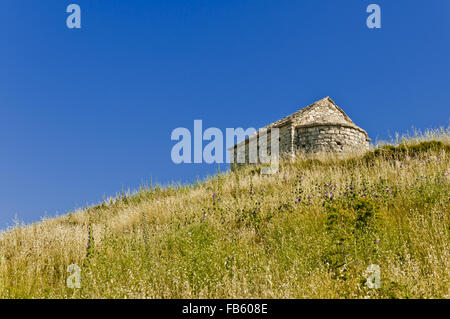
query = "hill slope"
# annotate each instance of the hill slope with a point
(310, 231)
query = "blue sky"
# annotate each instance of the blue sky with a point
(86, 112)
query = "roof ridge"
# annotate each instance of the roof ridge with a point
(304, 109)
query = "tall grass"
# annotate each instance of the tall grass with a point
(309, 231)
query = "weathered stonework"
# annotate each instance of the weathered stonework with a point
(319, 127)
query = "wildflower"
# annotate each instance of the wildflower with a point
(90, 243)
(89, 240)
(377, 241)
(252, 191)
(214, 197)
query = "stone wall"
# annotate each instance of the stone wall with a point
(310, 139)
(285, 142)
(286, 139)
(329, 138)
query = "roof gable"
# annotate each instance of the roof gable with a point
(324, 111)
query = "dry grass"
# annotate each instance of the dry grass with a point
(246, 235)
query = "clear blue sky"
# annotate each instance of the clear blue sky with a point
(85, 112)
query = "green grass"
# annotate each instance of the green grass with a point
(309, 231)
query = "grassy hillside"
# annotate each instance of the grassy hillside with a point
(309, 231)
